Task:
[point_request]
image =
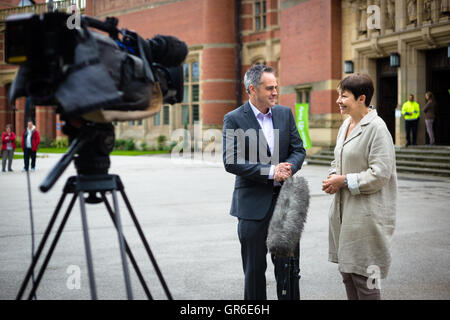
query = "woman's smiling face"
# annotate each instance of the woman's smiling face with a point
(346, 102)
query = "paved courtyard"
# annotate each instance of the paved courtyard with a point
(183, 209)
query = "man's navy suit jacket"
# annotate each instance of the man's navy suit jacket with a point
(242, 135)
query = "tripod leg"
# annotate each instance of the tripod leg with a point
(52, 247)
(146, 245)
(126, 273)
(41, 246)
(87, 246)
(127, 248)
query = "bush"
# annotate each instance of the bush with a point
(119, 144)
(60, 143)
(171, 146)
(45, 142)
(161, 140)
(122, 144)
(144, 145)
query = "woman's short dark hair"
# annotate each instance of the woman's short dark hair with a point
(358, 85)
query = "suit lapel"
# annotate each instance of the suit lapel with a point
(253, 122)
(277, 127)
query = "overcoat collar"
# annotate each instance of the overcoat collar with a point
(359, 128)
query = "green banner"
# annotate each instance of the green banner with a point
(302, 111)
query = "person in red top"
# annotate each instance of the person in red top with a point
(8, 147)
(30, 143)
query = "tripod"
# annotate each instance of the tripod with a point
(79, 185)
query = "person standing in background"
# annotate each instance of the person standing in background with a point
(411, 112)
(8, 147)
(30, 143)
(429, 110)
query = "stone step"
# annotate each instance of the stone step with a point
(404, 169)
(432, 162)
(440, 172)
(424, 164)
(419, 151)
(421, 157)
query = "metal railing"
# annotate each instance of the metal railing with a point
(61, 5)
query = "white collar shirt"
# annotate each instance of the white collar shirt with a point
(266, 123)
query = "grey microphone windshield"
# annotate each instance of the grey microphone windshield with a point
(289, 216)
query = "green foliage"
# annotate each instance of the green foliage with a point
(171, 146)
(124, 144)
(144, 145)
(60, 143)
(161, 140)
(45, 142)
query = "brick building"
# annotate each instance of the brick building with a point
(307, 41)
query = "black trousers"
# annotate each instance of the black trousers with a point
(411, 126)
(27, 153)
(253, 235)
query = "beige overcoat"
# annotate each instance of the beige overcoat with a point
(362, 216)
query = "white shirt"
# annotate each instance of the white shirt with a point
(29, 134)
(266, 123)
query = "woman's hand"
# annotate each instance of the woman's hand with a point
(333, 183)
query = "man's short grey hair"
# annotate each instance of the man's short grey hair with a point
(253, 75)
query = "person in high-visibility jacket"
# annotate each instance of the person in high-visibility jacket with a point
(411, 112)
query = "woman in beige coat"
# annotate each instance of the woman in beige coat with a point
(364, 181)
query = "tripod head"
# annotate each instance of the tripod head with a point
(90, 146)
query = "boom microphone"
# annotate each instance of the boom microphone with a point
(167, 50)
(289, 217)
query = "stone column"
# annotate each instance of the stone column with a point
(400, 136)
(355, 7)
(419, 12)
(401, 18)
(383, 13)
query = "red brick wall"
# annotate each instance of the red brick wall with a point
(46, 122)
(311, 49)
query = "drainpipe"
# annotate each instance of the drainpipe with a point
(238, 51)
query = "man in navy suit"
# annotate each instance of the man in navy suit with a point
(262, 147)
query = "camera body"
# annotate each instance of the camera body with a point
(39, 40)
(84, 71)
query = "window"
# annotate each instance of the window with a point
(260, 15)
(303, 95)
(185, 115)
(135, 123)
(166, 115)
(195, 113)
(190, 107)
(157, 119)
(260, 61)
